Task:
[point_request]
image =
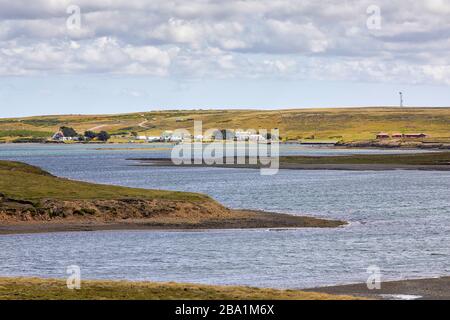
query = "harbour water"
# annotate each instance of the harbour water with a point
(399, 221)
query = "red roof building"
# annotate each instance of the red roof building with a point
(383, 135)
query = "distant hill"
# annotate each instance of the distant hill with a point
(347, 124)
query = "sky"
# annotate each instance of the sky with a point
(104, 56)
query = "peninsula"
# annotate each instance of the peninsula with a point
(436, 161)
(33, 200)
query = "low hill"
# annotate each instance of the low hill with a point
(346, 124)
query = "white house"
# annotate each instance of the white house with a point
(153, 139)
(248, 136)
(242, 135)
(198, 138)
(59, 136)
(166, 135)
(176, 138)
(256, 137)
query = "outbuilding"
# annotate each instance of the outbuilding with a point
(383, 135)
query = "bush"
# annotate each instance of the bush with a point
(90, 134)
(103, 136)
(68, 132)
(29, 140)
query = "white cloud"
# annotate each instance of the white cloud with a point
(99, 55)
(236, 38)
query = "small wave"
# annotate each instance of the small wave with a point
(400, 296)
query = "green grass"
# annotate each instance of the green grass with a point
(46, 122)
(346, 124)
(432, 158)
(15, 167)
(50, 289)
(25, 182)
(25, 133)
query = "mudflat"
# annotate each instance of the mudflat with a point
(421, 289)
(436, 161)
(241, 220)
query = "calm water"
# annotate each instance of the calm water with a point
(400, 221)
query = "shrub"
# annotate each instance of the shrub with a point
(68, 131)
(103, 136)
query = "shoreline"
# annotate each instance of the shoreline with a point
(245, 219)
(161, 162)
(437, 288)
(365, 146)
(33, 200)
(23, 288)
(32, 288)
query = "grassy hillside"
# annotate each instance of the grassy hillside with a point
(22, 181)
(47, 289)
(337, 124)
(29, 194)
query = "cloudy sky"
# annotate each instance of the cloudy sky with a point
(121, 56)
